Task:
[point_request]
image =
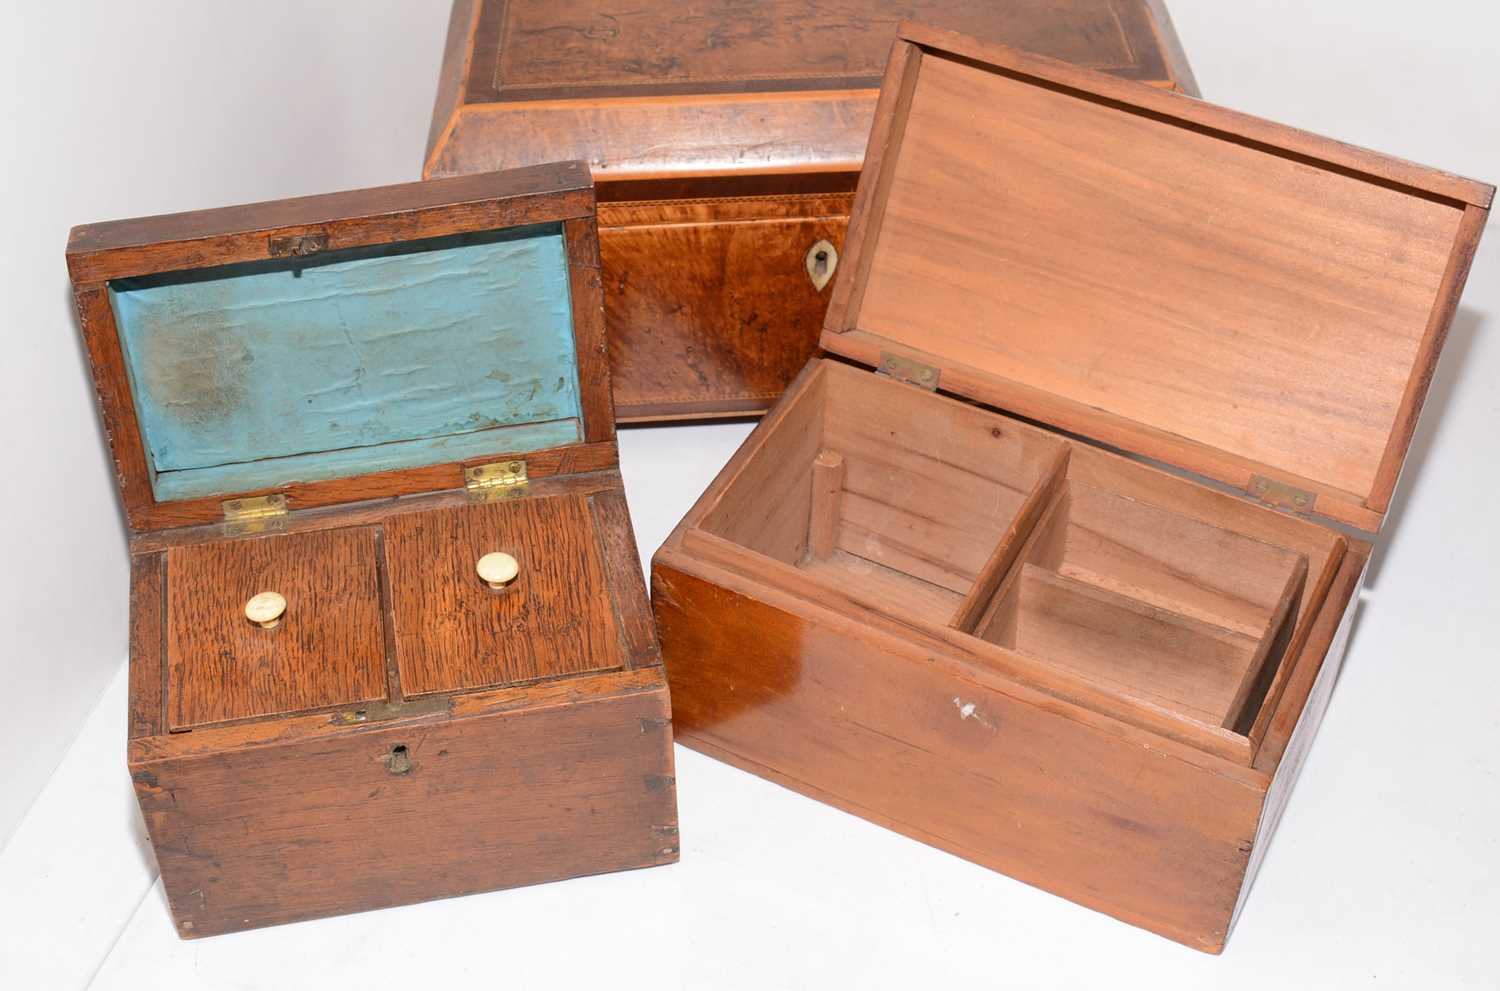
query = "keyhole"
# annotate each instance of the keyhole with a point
(822, 261)
(399, 762)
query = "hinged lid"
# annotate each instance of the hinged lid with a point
(340, 348)
(1233, 297)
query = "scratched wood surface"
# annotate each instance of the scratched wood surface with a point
(454, 633)
(270, 818)
(376, 815)
(327, 650)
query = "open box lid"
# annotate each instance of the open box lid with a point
(725, 87)
(339, 348)
(1249, 302)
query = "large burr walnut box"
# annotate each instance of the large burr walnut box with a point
(1041, 568)
(726, 138)
(389, 636)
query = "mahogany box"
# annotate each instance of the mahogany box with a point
(1042, 568)
(726, 138)
(389, 636)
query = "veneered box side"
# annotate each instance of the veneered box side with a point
(869, 724)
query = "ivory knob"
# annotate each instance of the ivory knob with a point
(498, 569)
(265, 610)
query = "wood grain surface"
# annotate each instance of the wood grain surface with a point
(148, 644)
(623, 580)
(296, 828)
(873, 725)
(1153, 272)
(728, 87)
(454, 633)
(592, 48)
(709, 302)
(327, 650)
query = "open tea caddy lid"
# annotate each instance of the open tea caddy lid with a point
(1249, 302)
(409, 336)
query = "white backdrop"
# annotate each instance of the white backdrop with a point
(120, 110)
(1385, 867)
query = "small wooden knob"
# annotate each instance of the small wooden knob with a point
(265, 610)
(498, 569)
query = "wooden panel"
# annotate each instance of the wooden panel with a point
(897, 592)
(734, 87)
(1169, 560)
(588, 48)
(1144, 651)
(326, 651)
(766, 506)
(148, 612)
(880, 728)
(930, 483)
(709, 302)
(591, 344)
(1198, 285)
(646, 139)
(457, 50)
(284, 831)
(455, 633)
(1215, 510)
(623, 578)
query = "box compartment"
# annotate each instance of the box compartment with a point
(1096, 572)
(896, 497)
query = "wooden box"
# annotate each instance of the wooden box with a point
(348, 401)
(1058, 661)
(726, 139)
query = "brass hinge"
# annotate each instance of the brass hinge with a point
(256, 515)
(1280, 494)
(908, 371)
(499, 480)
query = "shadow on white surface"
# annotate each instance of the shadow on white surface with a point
(1453, 375)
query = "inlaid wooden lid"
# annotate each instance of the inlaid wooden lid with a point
(724, 86)
(347, 347)
(1249, 302)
